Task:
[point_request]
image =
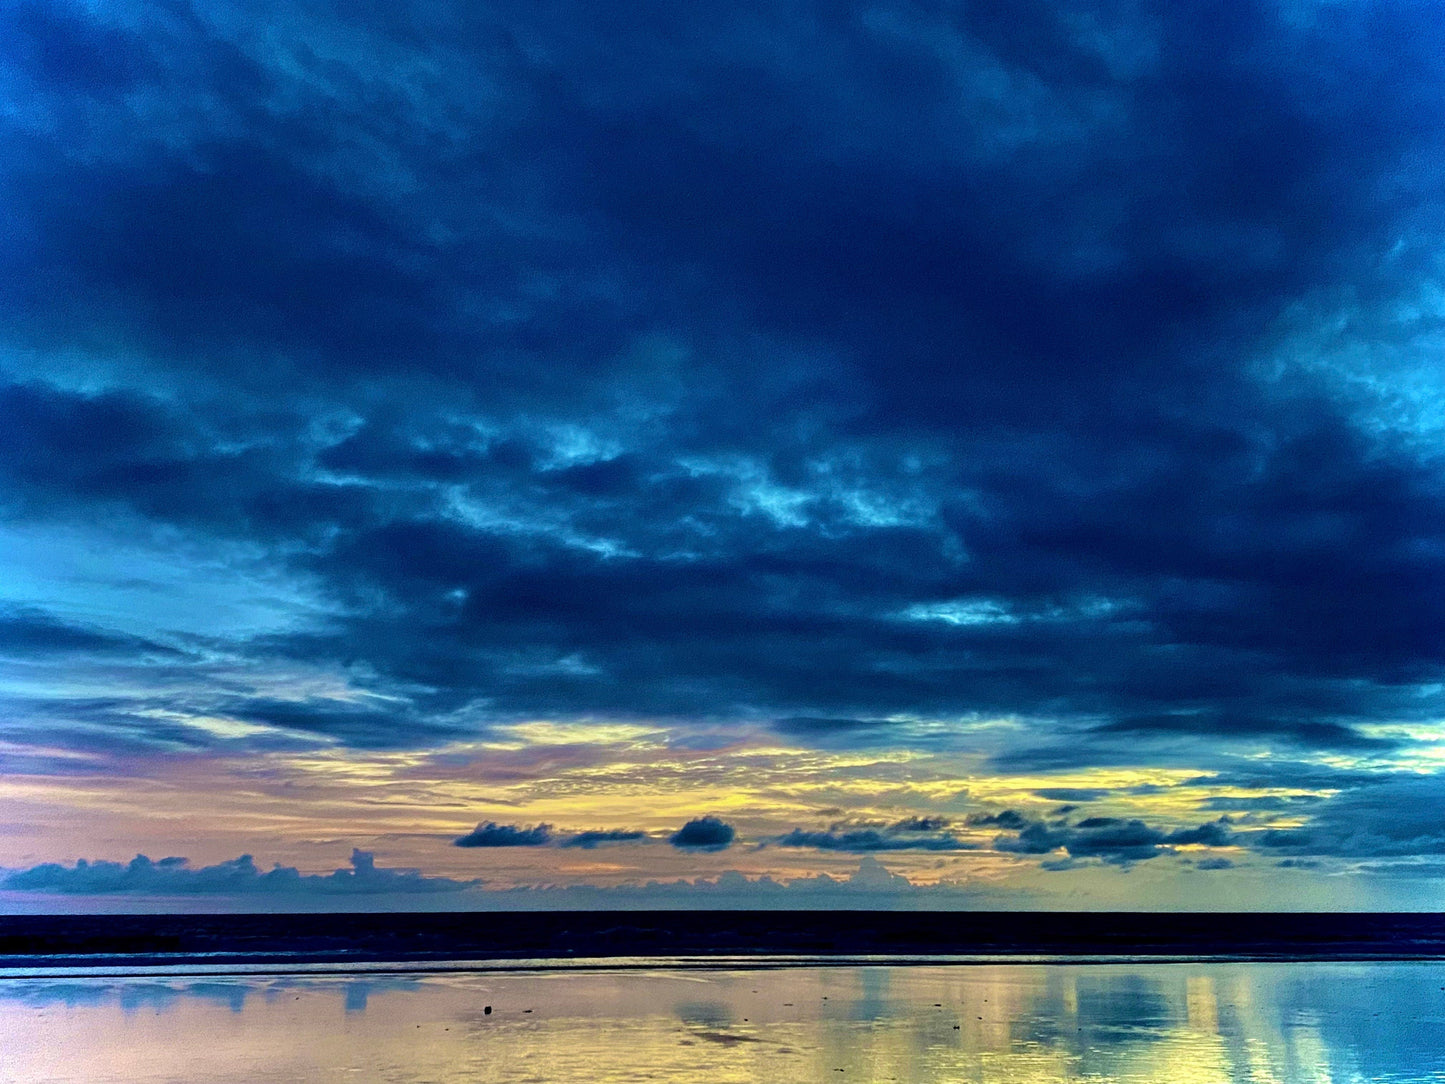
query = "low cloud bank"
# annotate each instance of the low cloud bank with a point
(871, 885)
(239, 876)
(240, 880)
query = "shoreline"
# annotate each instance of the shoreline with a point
(261, 967)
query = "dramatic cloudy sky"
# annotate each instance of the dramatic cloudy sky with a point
(574, 444)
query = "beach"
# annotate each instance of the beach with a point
(772, 1021)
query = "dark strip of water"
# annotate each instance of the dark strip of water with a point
(51, 940)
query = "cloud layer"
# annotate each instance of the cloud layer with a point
(142, 876)
(959, 395)
(867, 375)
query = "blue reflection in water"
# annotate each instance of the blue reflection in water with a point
(872, 1003)
(356, 995)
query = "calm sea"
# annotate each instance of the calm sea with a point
(1017, 1022)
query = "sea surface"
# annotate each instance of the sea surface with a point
(790, 1020)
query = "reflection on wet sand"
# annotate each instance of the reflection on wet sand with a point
(989, 1023)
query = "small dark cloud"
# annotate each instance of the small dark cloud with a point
(1034, 839)
(1117, 842)
(703, 834)
(1059, 865)
(1213, 834)
(492, 834)
(1213, 864)
(590, 840)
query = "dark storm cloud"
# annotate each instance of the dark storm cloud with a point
(492, 834)
(846, 368)
(704, 834)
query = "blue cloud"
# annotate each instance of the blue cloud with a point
(855, 371)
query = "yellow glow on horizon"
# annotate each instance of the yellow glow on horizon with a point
(310, 808)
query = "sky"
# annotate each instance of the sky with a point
(943, 454)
